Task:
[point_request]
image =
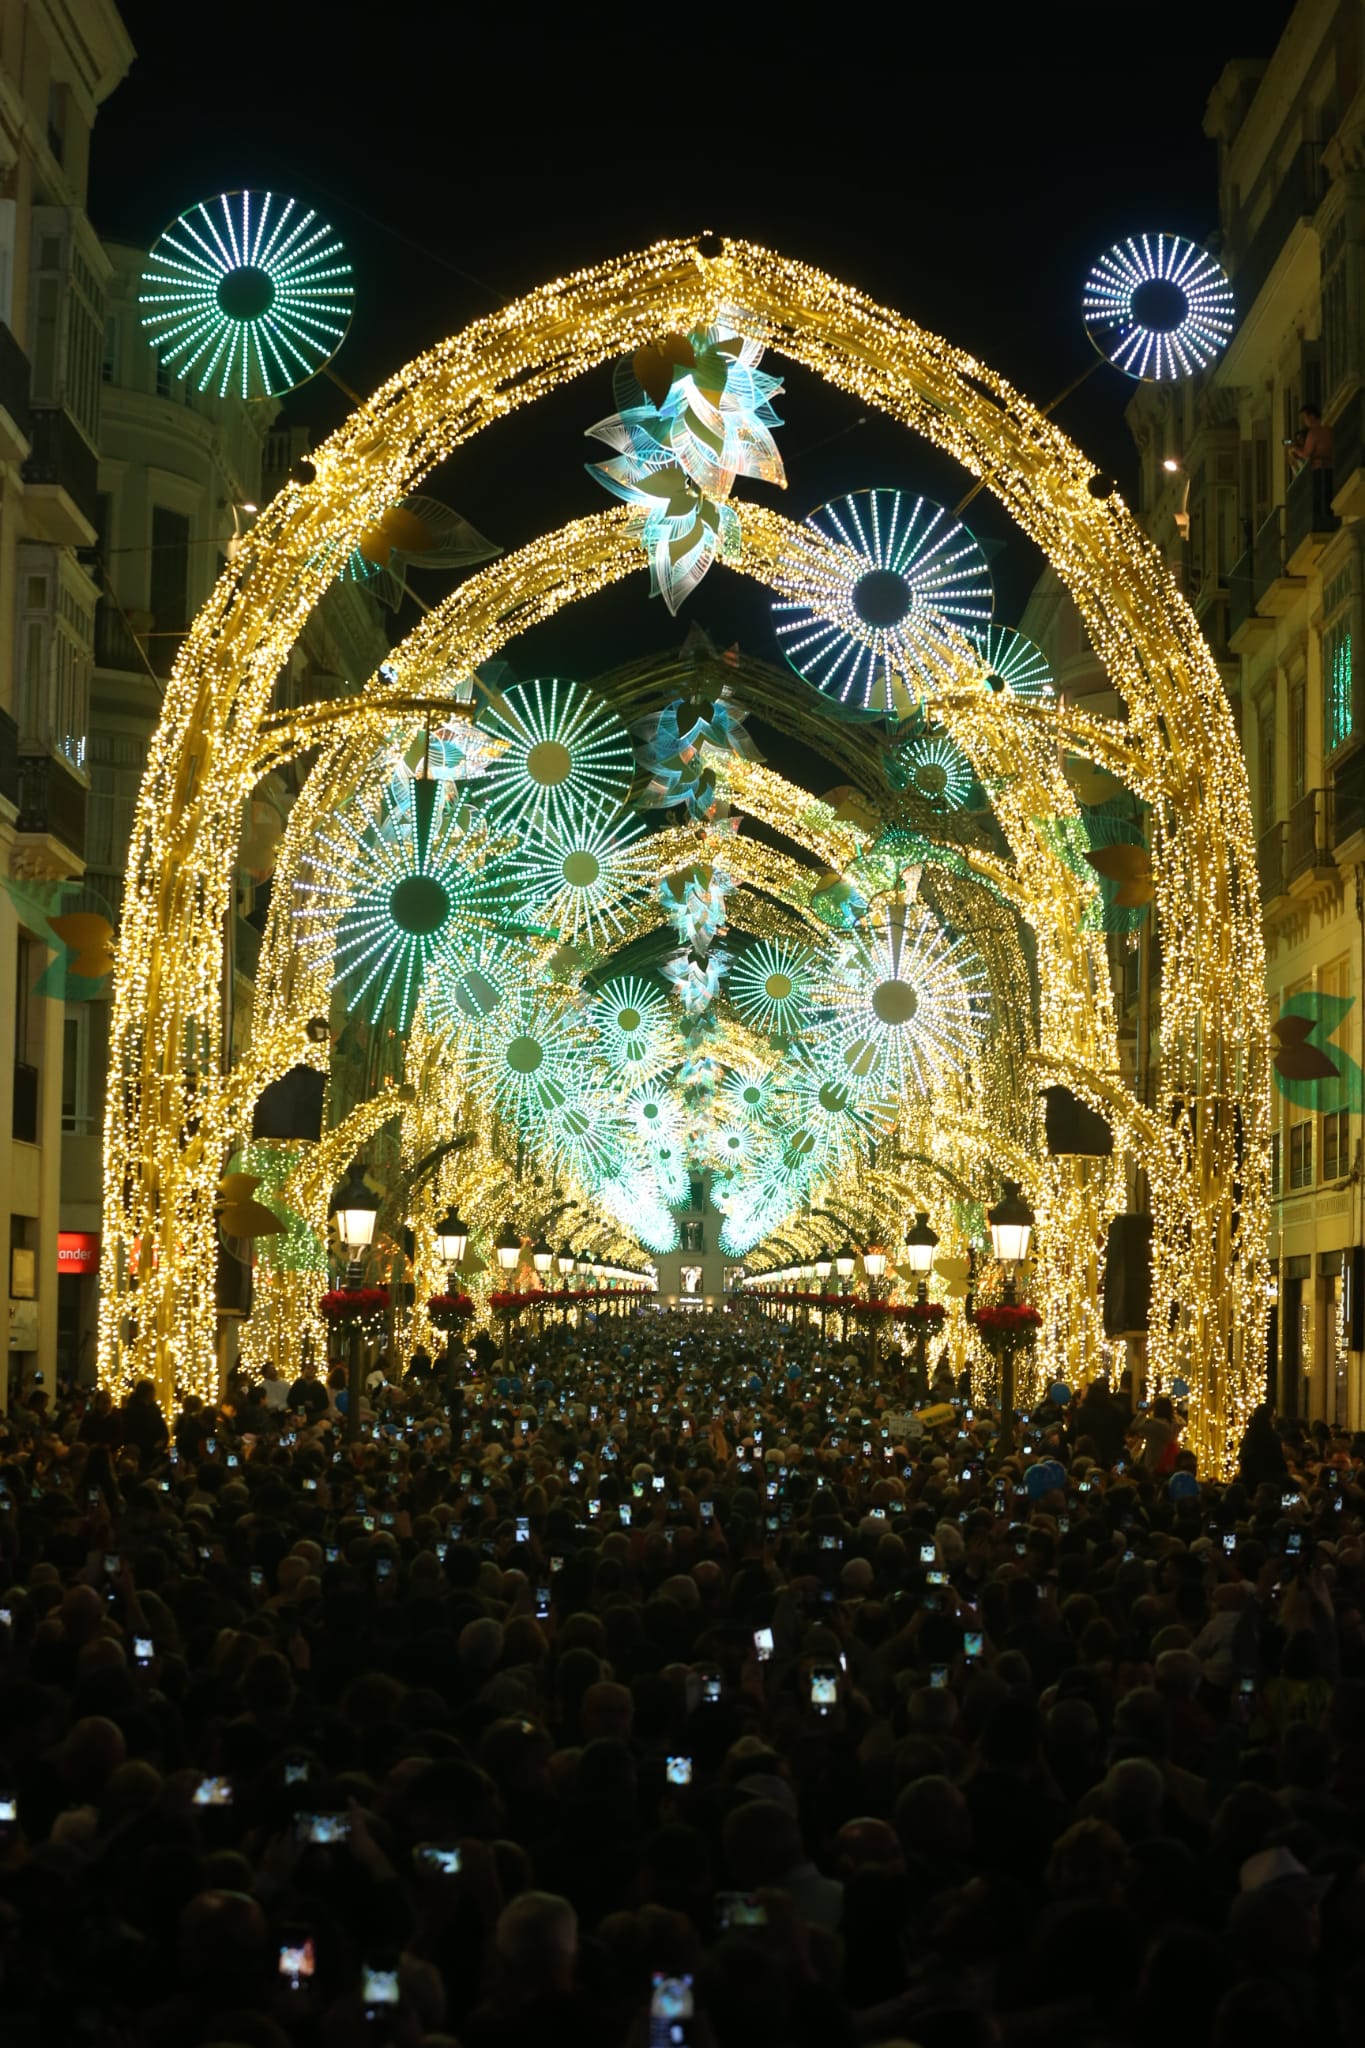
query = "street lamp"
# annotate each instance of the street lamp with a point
(1011, 1222)
(542, 1258)
(921, 1242)
(874, 1265)
(564, 1264)
(356, 1209)
(508, 1249)
(452, 1238)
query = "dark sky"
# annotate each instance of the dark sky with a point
(966, 174)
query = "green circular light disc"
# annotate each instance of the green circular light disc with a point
(419, 904)
(524, 1055)
(834, 1097)
(894, 1002)
(549, 763)
(778, 987)
(245, 293)
(752, 1096)
(628, 1021)
(580, 870)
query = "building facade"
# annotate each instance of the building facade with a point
(58, 63)
(1252, 483)
(181, 476)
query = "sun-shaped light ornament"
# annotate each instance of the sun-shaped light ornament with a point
(634, 1027)
(1158, 307)
(566, 754)
(907, 1003)
(771, 984)
(523, 1058)
(578, 1133)
(580, 874)
(747, 1093)
(248, 293)
(1011, 662)
(934, 770)
(654, 1112)
(871, 591)
(395, 892)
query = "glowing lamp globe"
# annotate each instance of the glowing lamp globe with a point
(844, 1261)
(1011, 1222)
(874, 1262)
(356, 1209)
(921, 1242)
(508, 1249)
(824, 1266)
(542, 1258)
(452, 1236)
(565, 1261)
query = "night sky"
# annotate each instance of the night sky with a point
(965, 174)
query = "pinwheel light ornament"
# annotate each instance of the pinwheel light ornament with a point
(564, 753)
(771, 985)
(414, 532)
(747, 1094)
(1158, 307)
(934, 770)
(525, 1059)
(695, 414)
(873, 592)
(248, 293)
(654, 1112)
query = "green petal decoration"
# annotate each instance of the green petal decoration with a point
(1303, 1034)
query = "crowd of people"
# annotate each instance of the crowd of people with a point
(682, 1680)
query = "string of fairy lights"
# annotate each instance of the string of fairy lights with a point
(882, 1054)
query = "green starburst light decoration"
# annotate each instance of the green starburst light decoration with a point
(247, 293)
(582, 1135)
(747, 1094)
(936, 771)
(566, 756)
(906, 1002)
(579, 876)
(391, 890)
(634, 1027)
(771, 985)
(1011, 661)
(654, 1112)
(523, 1059)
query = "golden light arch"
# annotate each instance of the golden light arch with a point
(166, 1125)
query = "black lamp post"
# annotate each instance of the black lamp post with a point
(921, 1242)
(508, 1249)
(1011, 1222)
(356, 1209)
(452, 1240)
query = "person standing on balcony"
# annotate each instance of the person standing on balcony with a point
(1311, 447)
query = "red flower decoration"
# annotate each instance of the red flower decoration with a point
(446, 1310)
(350, 1304)
(1007, 1319)
(929, 1312)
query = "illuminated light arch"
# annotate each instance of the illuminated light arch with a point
(167, 1130)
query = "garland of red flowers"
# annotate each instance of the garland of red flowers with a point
(999, 1321)
(447, 1311)
(929, 1313)
(354, 1304)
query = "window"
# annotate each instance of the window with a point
(1336, 1145)
(109, 366)
(75, 1069)
(170, 579)
(67, 334)
(1298, 740)
(1276, 1149)
(1265, 761)
(1301, 1155)
(692, 1237)
(1338, 695)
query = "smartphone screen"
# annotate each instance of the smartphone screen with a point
(824, 1689)
(213, 1792)
(437, 1859)
(680, 1770)
(298, 1961)
(670, 2010)
(379, 1986)
(971, 1643)
(142, 1649)
(763, 1644)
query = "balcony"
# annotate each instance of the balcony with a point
(52, 801)
(1309, 850)
(1270, 863)
(1348, 808)
(24, 1122)
(9, 760)
(15, 440)
(115, 646)
(1296, 198)
(61, 481)
(1348, 458)
(1274, 591)
(1309, 521)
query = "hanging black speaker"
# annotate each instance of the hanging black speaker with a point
(292, 1106)
(1072, 1126)
(1128, 1276)
(1357, 1302)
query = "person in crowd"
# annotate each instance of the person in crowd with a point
(676, 1679)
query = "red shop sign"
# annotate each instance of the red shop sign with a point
(78, 1251)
